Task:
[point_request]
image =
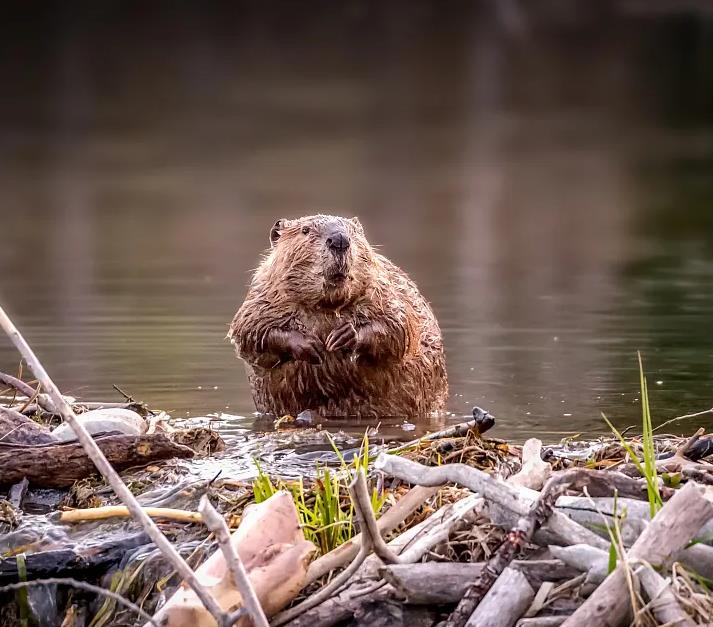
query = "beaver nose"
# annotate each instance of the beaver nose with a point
(338, 241)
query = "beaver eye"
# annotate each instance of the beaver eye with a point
(305, 230)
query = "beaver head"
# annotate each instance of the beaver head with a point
(319, 260)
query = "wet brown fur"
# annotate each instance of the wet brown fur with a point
(394, 363)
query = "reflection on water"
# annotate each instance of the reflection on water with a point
(546, 180)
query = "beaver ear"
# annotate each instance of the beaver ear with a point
(275, 232)
(356, 223)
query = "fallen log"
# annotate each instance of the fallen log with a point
(442, 583)
(670, 530)
(60, 465)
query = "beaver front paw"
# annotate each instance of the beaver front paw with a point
(304, 347)
(343, 337)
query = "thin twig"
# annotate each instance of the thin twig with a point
(216, 523)
(684, 417)
(22, 387)
(81, 585)
(110, 475)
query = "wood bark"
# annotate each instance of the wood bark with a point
(635, 513)
(505, 602)
(428, 533)
(671, 529)
(60, 465)
(16, 428)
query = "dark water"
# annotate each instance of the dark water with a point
(546, 176)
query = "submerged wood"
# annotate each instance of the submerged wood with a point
(59, 465)
(74, 560)
(671, 529)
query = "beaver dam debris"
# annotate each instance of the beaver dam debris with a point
(451, 529)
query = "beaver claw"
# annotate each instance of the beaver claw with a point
(343, 337)
(305, 348)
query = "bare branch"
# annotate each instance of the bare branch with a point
(215, 523)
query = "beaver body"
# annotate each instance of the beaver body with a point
(331, 326)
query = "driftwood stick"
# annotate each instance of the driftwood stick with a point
(499, 494)
(498, 565)
(111, 476)
(505, 602)
(431, 583)
(121, 511)
(428, 532)
(216, 523)
(585, 558)
(661, 599)
(393, 517)
(670, 530)
(443, 583)
(590, 511)
(367, 521)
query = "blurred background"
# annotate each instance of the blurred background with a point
(543, 170)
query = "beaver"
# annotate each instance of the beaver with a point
(331, 326)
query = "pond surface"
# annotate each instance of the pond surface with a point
(547, 180)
